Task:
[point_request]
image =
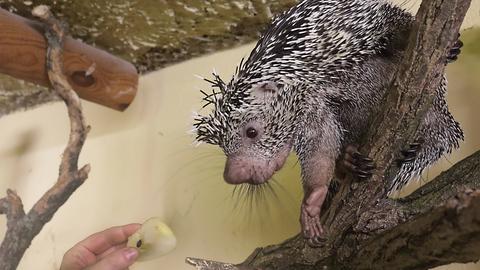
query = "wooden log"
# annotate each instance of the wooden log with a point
(94, 74)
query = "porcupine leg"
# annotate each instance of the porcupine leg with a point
(353, 162)
(440, 134)
(317, 155)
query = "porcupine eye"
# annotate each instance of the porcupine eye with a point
(252, 133)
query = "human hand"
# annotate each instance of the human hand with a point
(102, 251)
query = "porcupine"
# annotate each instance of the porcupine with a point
(310, 85)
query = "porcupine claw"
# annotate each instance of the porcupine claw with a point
(354, 162)
(410, 154)
(455, 51)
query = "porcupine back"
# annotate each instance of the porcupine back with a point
(319, 41)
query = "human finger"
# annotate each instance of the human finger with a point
(110, 250)
(100, 242)
(118, 260)
(77, 258)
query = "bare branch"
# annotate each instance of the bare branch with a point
(23, 228)
(12, 206)
(446, 234)
(441, 218)
(462, 177)
(201, 264)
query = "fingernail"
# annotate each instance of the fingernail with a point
(130, 254)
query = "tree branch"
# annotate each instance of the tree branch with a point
(446, 234)
(201, 264)
(361, 220)
(440, 223)
(12, 206)
(23, 228)
(462, 177)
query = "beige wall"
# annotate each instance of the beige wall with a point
(144, 164)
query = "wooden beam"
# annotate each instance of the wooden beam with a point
(94, 74)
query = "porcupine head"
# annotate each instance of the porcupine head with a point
(257, 120)
(254, 124)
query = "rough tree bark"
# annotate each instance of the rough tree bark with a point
(438, 224)
(22, 227)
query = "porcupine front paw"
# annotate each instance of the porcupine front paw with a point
(409, 154)
(311, 227)
(310, 216)
(455, 51)
(354, 162)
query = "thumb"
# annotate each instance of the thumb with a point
(118, 260)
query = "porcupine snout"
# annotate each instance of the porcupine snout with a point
(255, 171)
(244, 170)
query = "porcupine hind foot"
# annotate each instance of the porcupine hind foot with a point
(410, 153)
(455, 51)
(355, 163)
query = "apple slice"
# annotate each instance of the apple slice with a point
(153, 240)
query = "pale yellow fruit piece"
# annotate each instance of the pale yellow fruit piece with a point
(154, 239)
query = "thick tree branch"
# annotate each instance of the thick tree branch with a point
(360, 212)
(462, 177)
(446, 234)
(23, 228)
(440, 223)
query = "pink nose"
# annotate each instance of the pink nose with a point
(235, 173)
(240, 171)
(236, 176)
